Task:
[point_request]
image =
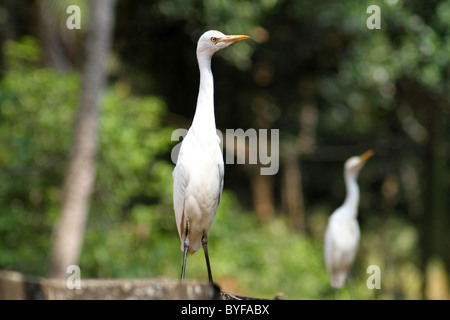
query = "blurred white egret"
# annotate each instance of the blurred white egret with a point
(198, 174)
(342, 233)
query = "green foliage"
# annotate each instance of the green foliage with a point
(36, 111)
(261, 258)
(133, 197)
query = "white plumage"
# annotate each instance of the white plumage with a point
(342, 233)
(198, 174)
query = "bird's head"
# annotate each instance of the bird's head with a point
(212, 41)
(354, 164)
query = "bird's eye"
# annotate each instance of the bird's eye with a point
(213, 39)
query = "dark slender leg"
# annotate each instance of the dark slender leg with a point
(186, 248)
(205, 249)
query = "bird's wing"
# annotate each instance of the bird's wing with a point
(179, 187)
(221, 174)
(341, 243)
(328, 246)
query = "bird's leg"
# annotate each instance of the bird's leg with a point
(205, 249)
(186, 248)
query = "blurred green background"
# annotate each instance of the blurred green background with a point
(313, 70)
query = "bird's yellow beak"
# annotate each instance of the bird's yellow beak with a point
(366, 155)
(232, 38)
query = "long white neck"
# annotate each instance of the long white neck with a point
(352, 197)
(204, 121)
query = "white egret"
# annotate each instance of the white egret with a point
(198, 174)
(342, 233)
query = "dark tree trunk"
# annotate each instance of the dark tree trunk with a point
(69, 231)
